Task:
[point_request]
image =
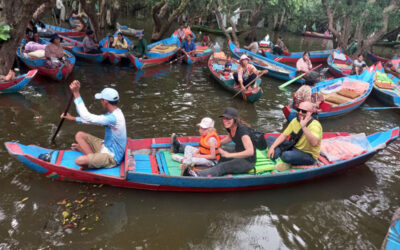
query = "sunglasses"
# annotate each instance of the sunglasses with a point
(302, 111)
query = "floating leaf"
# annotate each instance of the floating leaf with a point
(25, 199)
(68, 204)
(63, 202)
(83, 228)
(101, 185)
(65, 214)
(80, 201)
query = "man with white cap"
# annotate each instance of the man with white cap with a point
(96, 152)
(246, 72)
(206, 155)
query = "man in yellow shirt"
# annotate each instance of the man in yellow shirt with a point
(304, 145)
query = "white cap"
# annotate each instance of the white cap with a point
(206, 122)
(244, 57)
(108, 94)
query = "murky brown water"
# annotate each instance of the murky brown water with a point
(346, 211)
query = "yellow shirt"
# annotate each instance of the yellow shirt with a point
(303, 145)
(120, 45)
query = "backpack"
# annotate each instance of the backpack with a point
(258, 139)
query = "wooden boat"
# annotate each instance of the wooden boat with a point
(74, 21)
(58, 74)
(148, 165)
(126, 30)
(389, 94)
(392, 238)
(228, 83)
(293, 57)
(216, 31)
(338, 102)
(339, 67)
(113, 59)
(157, 53)
(66, 32)
(374, 58)
(202, 54)
(275, 69)
(100, 57)
(18, 83)
(316, 34)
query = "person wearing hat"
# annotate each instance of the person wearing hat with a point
(206, 155)
(98, 153)
(238, 162)
(139, 50)
(120, 42)
(54, 53)
(246, 73)
(89, 44)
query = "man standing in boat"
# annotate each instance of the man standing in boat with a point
(304, 145)
(98, 153)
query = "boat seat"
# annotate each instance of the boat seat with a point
(145, 164)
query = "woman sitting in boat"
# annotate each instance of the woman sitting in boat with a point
(304, 94)
(120, 42)
(246, 74)
(109, 42)
(304, 65)
(304, 145)
(279, 46)
(89, 44)
(359, 65)
(139, 50)
(54, 53)
(34, 45)
(206, 155)
(253, 47)
(238, 162)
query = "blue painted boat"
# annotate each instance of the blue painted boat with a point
(74, 21)
(202, 54)
(293, 57)
(228, 83)
(157, 53)
(275, 69)
(113, 59)
(18, 83)
(98, 58)
(65, 32)
(392, 238)
(58, 74)
(388, 95)
(330, 109)
(148, 165)
(339, 67)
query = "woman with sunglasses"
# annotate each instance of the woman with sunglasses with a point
(244, 157)
(304, 145)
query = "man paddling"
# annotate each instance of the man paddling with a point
(96, 152)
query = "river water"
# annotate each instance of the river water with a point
(350, 210)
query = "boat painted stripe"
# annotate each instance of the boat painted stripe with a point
(164, 164)
(159, 162)
(153, 164)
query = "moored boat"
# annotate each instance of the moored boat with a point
(293, 57)
(386, 87)
(125, 30)
(317, 35)
(339, 63)
(392, 238)
(99, 57)
(157, 53)
(227, 81)
(202, 54)
(213, 30)
(374, 58)
(66, 32)
(18, 83)
(148, 165)
(275, 69)
(341, 95)
(106, 47)
(74, 21)
(58, 74)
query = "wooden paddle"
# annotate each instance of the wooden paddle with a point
(62, 119)
(240, 91)
(378, 108)
(282, 86)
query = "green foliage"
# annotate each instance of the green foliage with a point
(4, 32)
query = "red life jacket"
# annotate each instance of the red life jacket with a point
(205, 147)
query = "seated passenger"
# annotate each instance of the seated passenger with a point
(246, 73)
(89, 45)
(109, 43)
(120, 42)
(206, 155)
(279, 46)
(304, 65)
(188, 46)
(54, 53)
(206, 40)
(243, 159)
(304, 145)
(253, 47)
(359, 65)
(34, 45)
(139, 50)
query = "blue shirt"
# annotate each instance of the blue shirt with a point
(188, 47)
(115, 138)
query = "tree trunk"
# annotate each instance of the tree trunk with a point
(17, 14)
(275, 21)
(235, 38)
(103, 14)
(282, 20)
(163, 20)
(89, 7)
(219, 18)
(253, 20)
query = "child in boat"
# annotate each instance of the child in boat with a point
(206, 155)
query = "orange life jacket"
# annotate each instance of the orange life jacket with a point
(205, 147)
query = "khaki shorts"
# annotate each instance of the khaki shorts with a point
(98, 159)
